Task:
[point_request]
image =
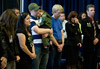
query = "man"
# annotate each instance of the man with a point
(55, 55)
(91, 39)
(42, 57)
(62, 18)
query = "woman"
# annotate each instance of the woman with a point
(81, 16)
(8, 20)
(73, 40)
(25, 43)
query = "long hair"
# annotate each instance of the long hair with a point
(8, 20)
(20, 23)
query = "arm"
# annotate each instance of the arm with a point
(40, 30)
(53, 39)
(33, 50)
(22, 41)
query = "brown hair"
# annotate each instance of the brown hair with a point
(8, 20)
(72, 14)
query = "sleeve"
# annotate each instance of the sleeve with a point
(3, 45)
(61, 25)
(32, 24)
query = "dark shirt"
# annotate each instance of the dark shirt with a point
(24, 57)
(11, 48)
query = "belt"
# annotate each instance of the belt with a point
(59, 40)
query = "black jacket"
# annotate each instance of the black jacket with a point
(88, 31)
(10, 48)
(73, 34)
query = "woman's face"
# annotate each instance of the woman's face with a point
(27, 20)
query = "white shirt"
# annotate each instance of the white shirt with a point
(64, 31)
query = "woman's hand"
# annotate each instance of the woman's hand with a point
(33, 56)
(3, 62)
(79, 44)
(17, 58)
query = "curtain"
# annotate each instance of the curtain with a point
(69, 5)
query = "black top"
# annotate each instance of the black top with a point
(29, 43)
(10, 48)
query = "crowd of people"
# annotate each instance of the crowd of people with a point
(36, 40)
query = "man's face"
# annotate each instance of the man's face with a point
(57, 14)
(34, 12)
(91, 12)
(62, 17)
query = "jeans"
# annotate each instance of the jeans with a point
(41, 59)
(54, 59)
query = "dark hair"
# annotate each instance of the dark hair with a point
(8, 20)
(20, 23)
(80, 15)
(89, 6)
(72, 14)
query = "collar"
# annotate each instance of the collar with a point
(91, 19)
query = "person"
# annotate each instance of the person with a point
(42, 57)
(56, 24)
(17, 11)
(81, 16)
(73, 40)
(44, 21)
(91, 39)
(62, 18)
(8, 20)
(24, 41)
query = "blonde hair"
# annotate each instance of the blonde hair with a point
(56, 8)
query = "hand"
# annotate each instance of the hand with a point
(17, 58)
(38, 24)
(60, 47)
(76, 20)
(33, 56)
(45, 35)
(79, 44)
(3, 62)
(95, 41)
(51, 43)
(51, 31)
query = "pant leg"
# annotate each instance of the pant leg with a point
(44, 60)
(57, 58)
(11, 65)
(36, 61)
(51, 59)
